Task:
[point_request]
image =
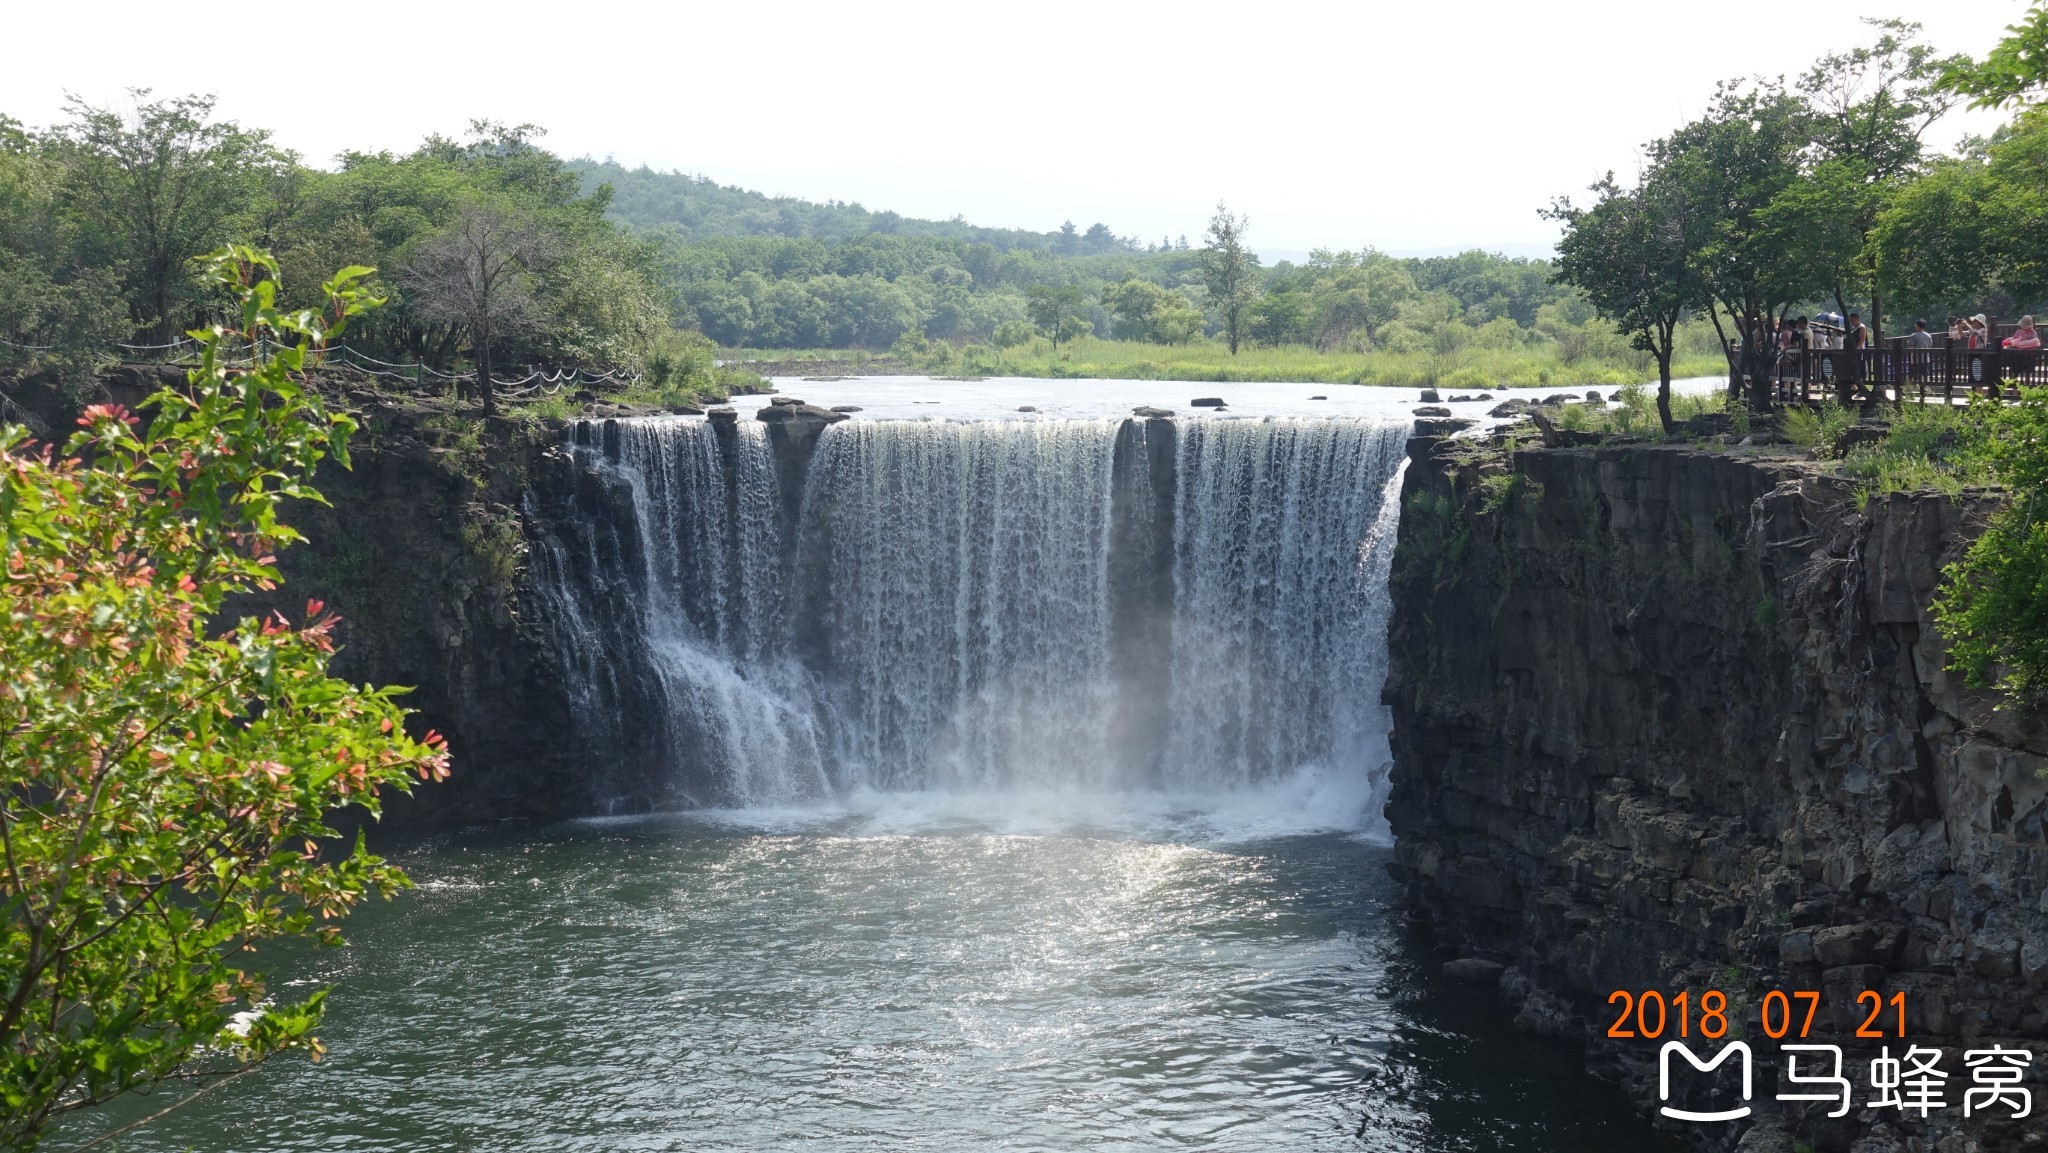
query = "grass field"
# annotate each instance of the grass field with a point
(1470, 367)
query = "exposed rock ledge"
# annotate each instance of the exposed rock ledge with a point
(1669, 719)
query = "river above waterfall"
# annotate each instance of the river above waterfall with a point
(1053, 972)
(999, 398)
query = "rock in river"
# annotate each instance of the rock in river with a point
(781, 413)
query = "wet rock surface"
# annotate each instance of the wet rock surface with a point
(1442, 425)
(1679, 720)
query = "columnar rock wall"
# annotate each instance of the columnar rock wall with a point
(421, 550)
(1674, 719)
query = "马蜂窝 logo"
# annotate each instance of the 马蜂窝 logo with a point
(1913, 1082)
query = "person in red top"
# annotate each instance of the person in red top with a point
(2026, 337)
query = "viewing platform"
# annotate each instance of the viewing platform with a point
(1950, 375)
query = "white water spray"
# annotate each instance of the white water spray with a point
(941, 615)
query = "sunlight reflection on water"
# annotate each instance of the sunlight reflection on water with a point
(923, 973)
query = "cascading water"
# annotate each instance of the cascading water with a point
(1184, 606)
(965, 599)
(1285, 534)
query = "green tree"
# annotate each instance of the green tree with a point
(1730, 166)
(1141, 310)
(1823, 222)
(1011, 333)
(1485, 284)
(1993, 605)
(57, 313)
(1971, 223)
(1870, 109)
(2013, 72)
(1356, 293)
(600, 303)
(155, 189)
(164, 776)
(1230, 273)
(1633, 252)
(1060, 313)
(1280, 317)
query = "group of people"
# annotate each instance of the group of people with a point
(1793, 336)
(1828, 330)
(1975, 332)
(1796, 333)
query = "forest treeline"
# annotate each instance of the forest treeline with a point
(774, 272)
(485, 247)
(491, 249)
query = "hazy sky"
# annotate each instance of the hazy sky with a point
(1405, 126)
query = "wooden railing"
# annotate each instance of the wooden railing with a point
(1893, 373)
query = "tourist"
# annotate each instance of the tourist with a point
(2026, 337)
(1977, 334)
(1787, 369)
(1919, 351)
(1849, 369)
(1958, 332)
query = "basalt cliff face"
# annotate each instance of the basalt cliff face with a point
(431, 548)
(1668, 719)
(422, 549)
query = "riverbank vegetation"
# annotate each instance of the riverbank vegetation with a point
(1994, 602)
(495, 253)
(1993, 605)
(988, 303)
(1601, 359)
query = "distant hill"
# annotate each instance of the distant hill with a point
(697, 208)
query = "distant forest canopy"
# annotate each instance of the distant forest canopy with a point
(778, 272)
(490, 247)
(696, 208)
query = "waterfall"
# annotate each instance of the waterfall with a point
(1190, 606)
(1284, 538)
(966, 599)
